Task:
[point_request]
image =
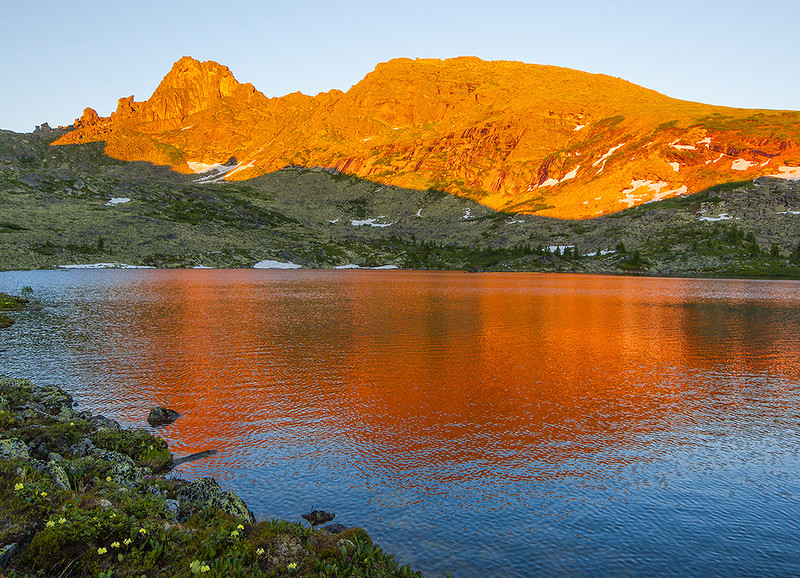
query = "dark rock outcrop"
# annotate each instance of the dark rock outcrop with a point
(318, 517)
(162, 416)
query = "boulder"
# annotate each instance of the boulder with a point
(335, 528)
(319, 517)
(57, 473)
(206, 493)
(101, 422)
(162, 416)
(13, 448)
(121, 467)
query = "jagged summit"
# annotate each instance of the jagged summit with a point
(514, 136)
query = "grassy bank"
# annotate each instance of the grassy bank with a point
(79, 496)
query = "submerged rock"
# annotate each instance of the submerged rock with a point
(192, 457)
(206, 493)
(162, 416)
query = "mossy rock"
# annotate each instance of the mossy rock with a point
(206, 493)
(13, 449)
(5, 321)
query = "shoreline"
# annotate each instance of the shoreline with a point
(82, 496)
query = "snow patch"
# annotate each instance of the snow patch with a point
(333, 221)
(675, 145)
(603, 252)
(720, 217)
(241, 167)
(788, 173)
(706, 141)
(370, 222)
(559, 248)
(579, 127)
(515, 221)
(212, 173)
(467, 215)
(201, 267)
(270, 264)
(552, 182)
(631, 197)
(741, 165)
(105, 266)
(419, 213)
(675, 166)
(354, 266)
(789, 213)
(118, 201)
(602, 160)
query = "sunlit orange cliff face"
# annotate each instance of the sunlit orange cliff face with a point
(513, 136)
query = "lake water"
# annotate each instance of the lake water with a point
(487, 424)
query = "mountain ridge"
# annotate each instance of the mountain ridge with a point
(515, 137)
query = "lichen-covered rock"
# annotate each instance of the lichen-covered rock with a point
(102, 422)
(13, 448)
(52, 397)
(58, 474)
(162, 416)
(83, 448)
(120, 467)
(206, 493)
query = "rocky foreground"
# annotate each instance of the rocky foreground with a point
(80, 496)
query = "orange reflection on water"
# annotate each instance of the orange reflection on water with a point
(407, 370)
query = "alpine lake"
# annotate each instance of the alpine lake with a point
(484, 424)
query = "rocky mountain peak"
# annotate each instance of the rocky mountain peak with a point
(516, 137)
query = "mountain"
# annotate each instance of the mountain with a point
(514, 137)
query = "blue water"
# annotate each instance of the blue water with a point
(486, 424)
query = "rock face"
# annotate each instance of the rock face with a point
(162, 416)
(513, 136)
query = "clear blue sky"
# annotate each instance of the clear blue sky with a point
(58, 57)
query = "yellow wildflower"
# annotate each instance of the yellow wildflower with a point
(127, 541)
(43, 494)
(292, 566)
(142, 531)
(72, 423)
(235, 533)
(101, 550)
(50, 523)
(205, 568)
(61, 520)
(240, 527)
(115, 544)
(18, 487)
(108, 478)
(259, 551)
